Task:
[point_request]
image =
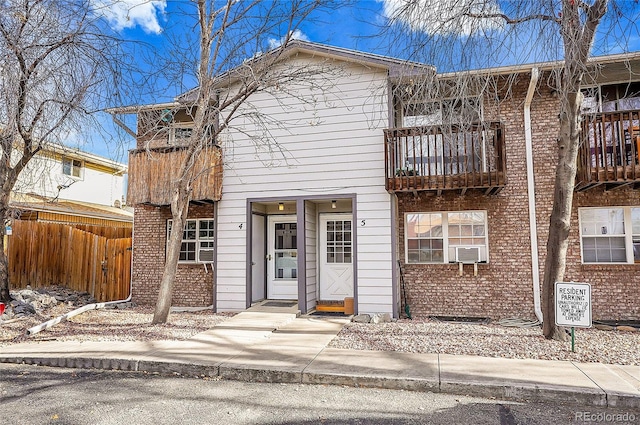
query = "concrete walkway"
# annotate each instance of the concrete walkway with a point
(267, 344)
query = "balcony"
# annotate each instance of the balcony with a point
(438, 158)
(151, 173)
(609, 152)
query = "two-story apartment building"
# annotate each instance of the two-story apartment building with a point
(395, 164)
(473, 213)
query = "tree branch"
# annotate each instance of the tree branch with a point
(512, 21)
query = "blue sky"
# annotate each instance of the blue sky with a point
(357, 24)
(352, 25)
(347, 25)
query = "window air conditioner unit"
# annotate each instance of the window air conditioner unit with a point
(206, 255)
(467, 254)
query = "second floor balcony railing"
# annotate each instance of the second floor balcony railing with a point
(153, 172)
(452, 157)
(609, 150)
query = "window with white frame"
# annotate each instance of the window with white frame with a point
(180, 132)
(197, 240)
(635, 233)
(72, 167)
(610, 234)
(446, 237)
(461, 111)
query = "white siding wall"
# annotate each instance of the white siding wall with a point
(374, 252)
(330, 147)
(311, 242)
(43, 175)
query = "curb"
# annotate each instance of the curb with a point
(517, 392)
(407, 384)
(529, 393)
(172, 368)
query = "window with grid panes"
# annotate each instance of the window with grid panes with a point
(72, 167)
(339, 241)
(434, 236)
(197, 240)
(610, 234)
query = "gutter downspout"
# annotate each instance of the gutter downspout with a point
(535, 265)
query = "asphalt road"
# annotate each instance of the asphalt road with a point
(41, 395)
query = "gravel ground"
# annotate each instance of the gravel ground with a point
(131, 324)
(492, 340)
(415, 336)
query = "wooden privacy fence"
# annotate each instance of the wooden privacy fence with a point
(43, 254)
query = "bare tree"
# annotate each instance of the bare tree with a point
(578, 25)
(459, 35)
(55, 64)
(225, 35)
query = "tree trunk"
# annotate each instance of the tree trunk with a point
(4, 271)
(4, 263)
(179, 210)
(560, 221)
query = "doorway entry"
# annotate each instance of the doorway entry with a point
(336, 257)
(282, 257)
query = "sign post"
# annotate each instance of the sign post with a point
(573, 306)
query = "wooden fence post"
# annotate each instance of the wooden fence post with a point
(94, 259)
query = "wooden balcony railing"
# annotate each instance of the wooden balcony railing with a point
(438, 158)
(152, 172)
(609, 150)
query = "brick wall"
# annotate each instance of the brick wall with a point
(615, 288)
(193, 286)
(503, 287)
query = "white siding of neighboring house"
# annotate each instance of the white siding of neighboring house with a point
(43, 175)
(332, 147)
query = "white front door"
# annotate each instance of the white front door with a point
(282, 258)
(336, 257)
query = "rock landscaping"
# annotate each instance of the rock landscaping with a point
(617, 345)
(120, 322)
(375, 318)
(28, 302)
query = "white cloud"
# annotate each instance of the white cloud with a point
(123, 14)
(296, 35)
(443, 17)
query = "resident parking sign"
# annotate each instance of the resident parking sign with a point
(573, 304)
